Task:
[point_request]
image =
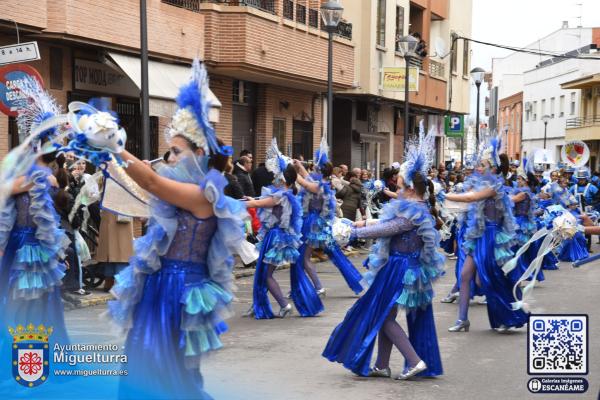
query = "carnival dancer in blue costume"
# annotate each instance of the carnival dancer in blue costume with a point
(32, 245)
(461, 218)
(318, 202)
(488, 240)
(524, 201)
(402, 266)
(280, 214)
(175, 294)
(575, 248)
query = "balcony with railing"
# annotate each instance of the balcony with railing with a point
(277, 38)
(583, 128)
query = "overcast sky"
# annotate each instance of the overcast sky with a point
(521, 22)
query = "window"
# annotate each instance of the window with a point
(552, 107)
(465, 58)
(543, 112)
(243, 92)
(381, 22)
(301, 13)
(534, 111)
(56, 70)
(527, 115)
(399, 25)
(572, 103)
(288, 9)
(279, 133)
(561, 106)
(454, 56)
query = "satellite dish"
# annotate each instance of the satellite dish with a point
(441, 49)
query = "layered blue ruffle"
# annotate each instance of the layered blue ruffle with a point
(417, 284)
(325, 192)
(36, 268)
(283, 246)
(316, 231)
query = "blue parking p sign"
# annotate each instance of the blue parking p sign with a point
(455, 125)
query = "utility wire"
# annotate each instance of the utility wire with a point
(530, 51)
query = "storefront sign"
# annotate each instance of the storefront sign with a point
(454, 125)
(96, 77)
(16, 53)
(11, 77)
(392, 79)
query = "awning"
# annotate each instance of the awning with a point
(164, 79)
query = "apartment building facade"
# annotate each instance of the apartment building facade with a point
(369, 121)
(267, 60)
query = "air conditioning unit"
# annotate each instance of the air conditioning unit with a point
(527, 106)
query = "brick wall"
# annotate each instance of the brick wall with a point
(267, 45)
(28, 12)
(172, 31)
(222, 87)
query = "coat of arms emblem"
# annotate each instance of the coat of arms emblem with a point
(30, 354)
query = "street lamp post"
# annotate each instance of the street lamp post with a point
(407, 44)
(477, 75)
(331, 12)
(545, 119)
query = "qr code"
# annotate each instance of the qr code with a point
(558, 344)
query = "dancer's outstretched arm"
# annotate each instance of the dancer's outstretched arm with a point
(267, 202)
(471, 197)
(519, 197)
(312, 187)
(183, 195)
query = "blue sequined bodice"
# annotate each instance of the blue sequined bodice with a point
(491, 212)
(522, 207)
(406, 242)
(192, 238)
(316, 203)
(24, 217)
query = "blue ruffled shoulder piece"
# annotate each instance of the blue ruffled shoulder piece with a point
(162, 227)
(505, 237)
(291, 216)
(38, 268)
(417, 290)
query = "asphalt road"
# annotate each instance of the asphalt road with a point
(281, 358)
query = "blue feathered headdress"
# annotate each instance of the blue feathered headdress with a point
(191, 119)
(276, 162)
(418, 155)
(322, 153)
(489, 150)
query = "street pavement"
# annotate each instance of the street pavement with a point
(281, 358)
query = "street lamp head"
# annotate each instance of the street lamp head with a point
(477, 74)
(331, 12)
(545, 119)
(408, 45)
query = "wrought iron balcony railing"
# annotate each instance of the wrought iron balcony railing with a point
(194, 5)
(580, 122)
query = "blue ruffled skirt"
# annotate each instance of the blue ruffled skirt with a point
(353, 340)
(178, 318)
(316, 233)
(448, 244)
(574, 249)
(525, 229)
(44, 308)
(497, 287)
(274, 252)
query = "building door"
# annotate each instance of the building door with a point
(302, 139)
(130, 119)
(244, 111)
